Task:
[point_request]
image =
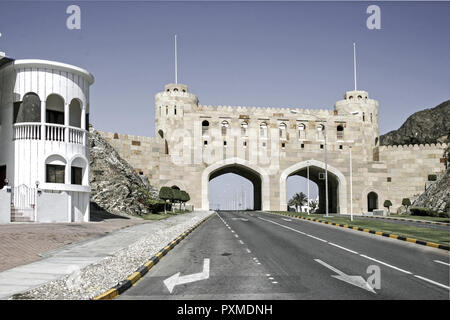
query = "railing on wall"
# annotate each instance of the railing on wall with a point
(52, 132)
(23, 199)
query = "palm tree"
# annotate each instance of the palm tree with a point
(313, 206)
(298, 200)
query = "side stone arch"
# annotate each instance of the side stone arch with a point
(342, 187)
(246, 165)
(364, 195)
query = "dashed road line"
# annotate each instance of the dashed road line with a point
(433, 282)
(364, 256)
(442, 262)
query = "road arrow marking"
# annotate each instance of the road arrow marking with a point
(176, 279)
(286, 219)
(354, 280)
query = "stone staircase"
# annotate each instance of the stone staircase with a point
(17, 216)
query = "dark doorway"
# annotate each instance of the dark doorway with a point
(2, 176)
(372, 201)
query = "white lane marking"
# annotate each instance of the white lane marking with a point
(433, 282)
(274, 282)
(286, 219)
(386, 264)
(338, 246)
(232, 231)
(241, 242)
(442, 262)
(308, 235)
(248, 250)
(236, 236)
(268, 274)
(271, 278)
(292, 229)
(357, 281)
(176, 279)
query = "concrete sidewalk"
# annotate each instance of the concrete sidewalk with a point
(63, 261)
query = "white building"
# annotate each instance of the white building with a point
(44, 151)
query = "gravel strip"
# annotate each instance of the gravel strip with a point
(97, 278)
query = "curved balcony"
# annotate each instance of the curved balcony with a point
(49, 132)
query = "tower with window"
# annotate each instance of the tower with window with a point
(44, 120)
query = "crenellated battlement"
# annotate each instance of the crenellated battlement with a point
(415, 146)
(265, 110)
(130, 137)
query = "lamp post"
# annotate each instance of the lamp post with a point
(307, 174)
(351, 186)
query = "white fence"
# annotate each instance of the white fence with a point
(52, 132)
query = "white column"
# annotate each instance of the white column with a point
(66, 122)
(43, 120)
(83, 123)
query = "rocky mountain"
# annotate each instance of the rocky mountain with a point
(426, 126)
(115, 186)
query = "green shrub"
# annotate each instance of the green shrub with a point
(418, 211)
(443, 215)
(432, 177)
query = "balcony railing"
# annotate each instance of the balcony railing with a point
(49, 132)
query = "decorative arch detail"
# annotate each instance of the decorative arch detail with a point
(342, 188)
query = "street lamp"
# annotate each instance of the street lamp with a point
(326, 159)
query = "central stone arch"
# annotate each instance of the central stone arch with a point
(341, 204)
(258, 176)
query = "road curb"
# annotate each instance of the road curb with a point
(378, 233)
(124, 285)
(411, 220)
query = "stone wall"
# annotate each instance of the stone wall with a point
(408, 168)
(142, 153)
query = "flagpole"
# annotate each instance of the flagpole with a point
(176, 61)
(354, 63)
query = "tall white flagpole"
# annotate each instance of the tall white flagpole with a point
(354, 63)
(176, 61)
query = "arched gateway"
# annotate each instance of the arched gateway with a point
(337, 184)
(268, 145)
(257, 176)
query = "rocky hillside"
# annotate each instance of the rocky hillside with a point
(437, 196)
(116, 187)
(426, 126)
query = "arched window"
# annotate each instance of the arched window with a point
(244, 126)
(320, 132)
(364, 116)
(175, 110)
(78, 172)
(283, 131)
(167, 110)
(205, 127)
(75, 113)
(224, 127)
(340, 132)
(161, 133)
(55, 109)
(263, 130)
(301, 131)
(55, 169)
(29, 110)
(359, 97)
(350, 98)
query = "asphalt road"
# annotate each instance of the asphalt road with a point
(257, 255)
